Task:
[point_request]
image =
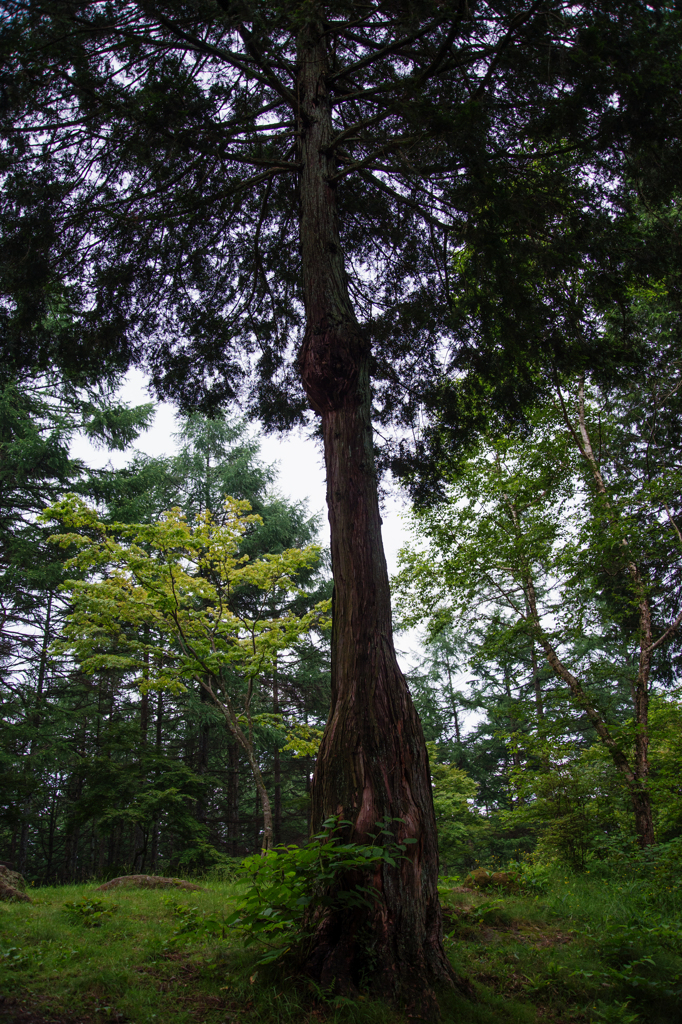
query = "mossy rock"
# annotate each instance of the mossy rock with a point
(147, 882)
(8, 892)
(481, 878)
(12, 878)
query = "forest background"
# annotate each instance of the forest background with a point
(518, 582)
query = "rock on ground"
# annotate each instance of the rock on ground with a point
(12, 878)
(12, 886)
(147, 882)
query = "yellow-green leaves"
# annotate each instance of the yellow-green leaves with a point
(303, 740)
(174, 600)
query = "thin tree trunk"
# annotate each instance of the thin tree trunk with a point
(202, 759)
(246, 743)
(154, 854)
(144, 699)
(453, 702)
(23, 840)
(233, 799)
(636, 786)
(641, 799)
(256, 816)
(159, 723)
(373, 760)
(276, 767)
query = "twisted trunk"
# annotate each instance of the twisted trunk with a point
(373, 760)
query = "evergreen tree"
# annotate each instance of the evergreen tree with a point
(99, 779)
(40, 413)
(238, 181)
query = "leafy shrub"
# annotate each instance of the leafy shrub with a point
(191, 921)
(615, 1013)
(290, 885)
(16, 958)
(90, 911)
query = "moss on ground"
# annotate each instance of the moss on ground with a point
(577, 949)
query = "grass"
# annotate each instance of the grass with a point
(575, 948)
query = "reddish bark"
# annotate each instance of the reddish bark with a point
(373, 759)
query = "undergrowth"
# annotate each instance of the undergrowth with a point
(560, 948)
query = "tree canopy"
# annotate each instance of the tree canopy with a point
(152, 157)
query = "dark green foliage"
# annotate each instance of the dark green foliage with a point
(290, 887)
(98, 779)
(524, 141)
(90, 911)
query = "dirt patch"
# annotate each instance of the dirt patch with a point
(147, 882)
(13, 1011)
(543, 939)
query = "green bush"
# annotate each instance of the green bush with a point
(90, 911)
(290, 886)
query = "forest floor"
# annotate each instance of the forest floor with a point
(577, 948)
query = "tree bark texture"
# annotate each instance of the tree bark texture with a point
(373, 761)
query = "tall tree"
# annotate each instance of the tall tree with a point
(567, 540)
(179, 582)
(282, 186)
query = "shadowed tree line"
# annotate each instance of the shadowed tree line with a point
(99, 778)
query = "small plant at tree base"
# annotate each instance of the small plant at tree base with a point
(90, 911)
(616, 1013)
(291, 887)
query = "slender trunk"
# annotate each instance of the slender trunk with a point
(256, 816)
(539, 706)
(308, 816)
(373, 760)
(644, 823)
(155, 848)
(245, 742)
(51, 835)
(23, 840)
(158, 741)
(44, 652)
(144, 699)
(641, 799)
(453, 703)
(539, 703)
(636, 785)
(276, 767)
(202, 759)
(233, 800)
(159, 722)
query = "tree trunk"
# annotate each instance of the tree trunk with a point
(233, 799)
(276, 771)
(373, 760)
(637, 777)
(247, 745)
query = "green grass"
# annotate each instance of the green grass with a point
(575, 949)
